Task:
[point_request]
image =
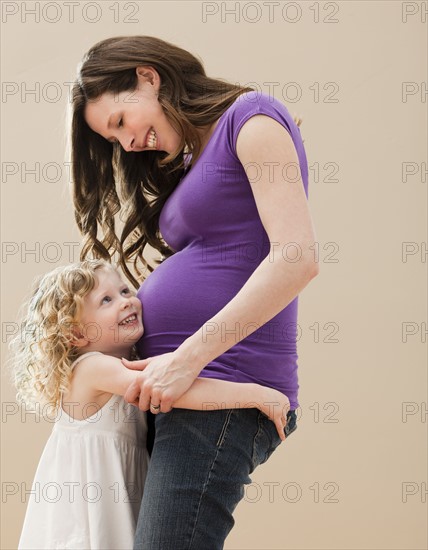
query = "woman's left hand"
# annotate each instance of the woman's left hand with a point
(163, 381)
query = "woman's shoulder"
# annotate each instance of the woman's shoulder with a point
(255, 101)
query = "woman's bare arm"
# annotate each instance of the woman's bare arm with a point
(284, 212)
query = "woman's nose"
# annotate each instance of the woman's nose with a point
(130, 146)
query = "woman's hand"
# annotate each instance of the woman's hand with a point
(275, 405)
(164, 380)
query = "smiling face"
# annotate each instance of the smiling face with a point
(129, 117)
(111, 317)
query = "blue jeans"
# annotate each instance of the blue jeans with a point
(200, 463)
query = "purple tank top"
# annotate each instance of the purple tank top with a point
(211, 222)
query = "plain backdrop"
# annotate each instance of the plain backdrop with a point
(354, 474)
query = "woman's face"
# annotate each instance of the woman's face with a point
(129, 117)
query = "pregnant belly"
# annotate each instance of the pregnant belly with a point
(184, 292)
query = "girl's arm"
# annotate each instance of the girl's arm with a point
(212, 394)
(107, 374)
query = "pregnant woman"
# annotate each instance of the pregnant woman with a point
(215, 177)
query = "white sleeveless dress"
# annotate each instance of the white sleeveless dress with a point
(88, 486)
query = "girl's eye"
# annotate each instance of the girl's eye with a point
(120, 123)
(103, 301)
(126, 290)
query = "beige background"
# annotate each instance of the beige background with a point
(339, 481)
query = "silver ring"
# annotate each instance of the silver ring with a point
(155, 407)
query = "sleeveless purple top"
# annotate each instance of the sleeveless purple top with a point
(211, 222)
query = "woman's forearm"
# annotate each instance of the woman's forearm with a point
(271, 287)
(212, 394)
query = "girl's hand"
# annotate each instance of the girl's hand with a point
(163, 381)
(275, 405)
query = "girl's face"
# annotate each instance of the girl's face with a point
(112, 316)
(129, 117)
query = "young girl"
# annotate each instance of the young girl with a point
(80, 321)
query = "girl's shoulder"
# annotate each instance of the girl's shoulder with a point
(79, 396)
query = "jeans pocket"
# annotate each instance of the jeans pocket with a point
(289, 428)
(224, 428)
(267, 439)
(291, 425)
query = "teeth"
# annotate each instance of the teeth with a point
(128, 320)
(151, 140)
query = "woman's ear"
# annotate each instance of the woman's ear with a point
(147, 73)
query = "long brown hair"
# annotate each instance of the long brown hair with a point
(189, 98)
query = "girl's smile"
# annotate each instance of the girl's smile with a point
(111, 318)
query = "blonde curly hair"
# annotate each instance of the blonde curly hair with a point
(42, 352)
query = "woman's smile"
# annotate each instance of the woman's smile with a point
(116, 119)
(151, 139)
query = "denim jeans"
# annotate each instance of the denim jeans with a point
(199, 465)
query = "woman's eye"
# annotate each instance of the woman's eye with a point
(120, 123)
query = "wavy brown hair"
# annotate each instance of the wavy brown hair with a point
(103, 171)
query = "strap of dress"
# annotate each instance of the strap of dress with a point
(87, 354)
